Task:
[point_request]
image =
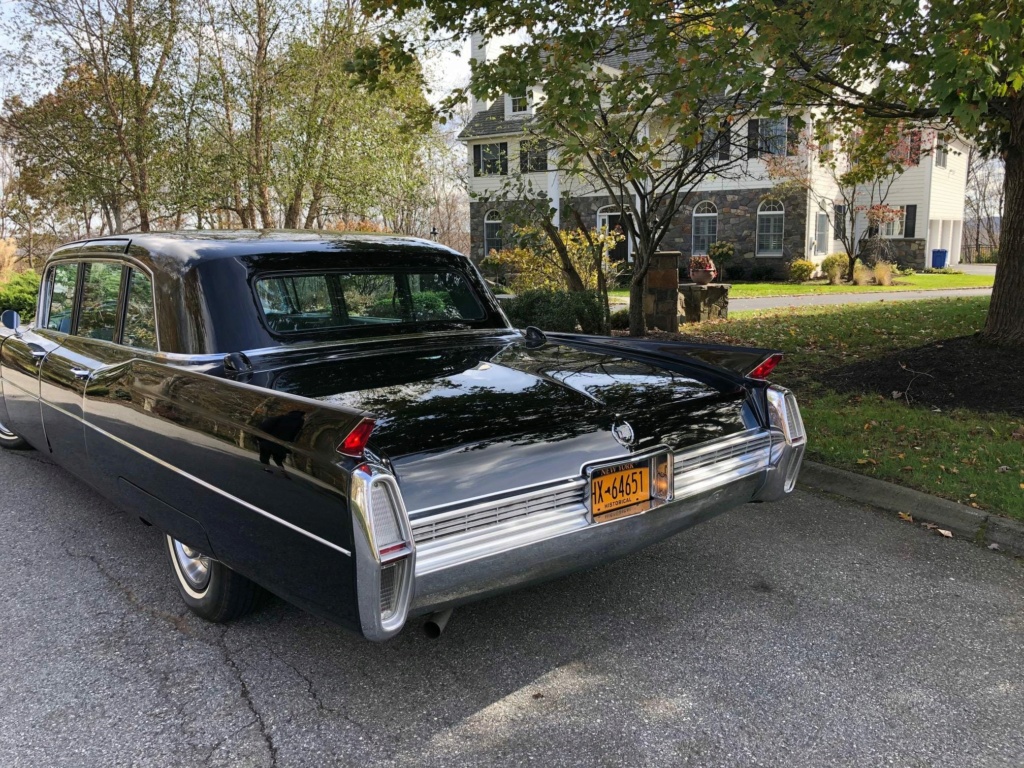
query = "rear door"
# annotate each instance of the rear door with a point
(22, 357)
(90, 345)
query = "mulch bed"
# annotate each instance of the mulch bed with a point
(954, 373)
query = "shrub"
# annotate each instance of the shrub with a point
(556, 310)
(801, 270)
(619, 320)
(761, 273)
(722, 252)
(883, 272)
(942, 271)
(861, 274)
(19, 293)
(834, 267)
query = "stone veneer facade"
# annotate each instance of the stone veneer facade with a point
(737, 223)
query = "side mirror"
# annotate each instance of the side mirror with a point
(11, 319)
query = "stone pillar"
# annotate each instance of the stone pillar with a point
(661, 295)
(703, 302)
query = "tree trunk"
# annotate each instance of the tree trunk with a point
(1005, 322)
(637, 284)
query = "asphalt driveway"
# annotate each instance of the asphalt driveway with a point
(809, 632)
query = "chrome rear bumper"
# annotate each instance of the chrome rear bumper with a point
(585, 545)
(469, 552)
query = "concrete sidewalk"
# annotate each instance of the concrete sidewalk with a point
(831, 299)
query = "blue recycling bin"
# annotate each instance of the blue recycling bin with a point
(939, 256)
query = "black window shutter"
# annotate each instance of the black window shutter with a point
(839, 225)
(753, 138)
(503, 151)
(792, 136)
(725, 142)
(910, 225)
(477, 164)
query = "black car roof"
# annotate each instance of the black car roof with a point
(175, 249)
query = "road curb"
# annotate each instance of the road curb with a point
(966, 522)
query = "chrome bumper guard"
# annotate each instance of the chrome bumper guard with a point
(467, 553)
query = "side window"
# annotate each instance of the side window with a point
(139, 323)
(97, 319)
(62, 298)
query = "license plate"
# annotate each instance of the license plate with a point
(619, 486)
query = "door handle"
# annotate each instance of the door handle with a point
(80, 373)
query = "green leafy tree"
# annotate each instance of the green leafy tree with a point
(630, 103)
(956, 63)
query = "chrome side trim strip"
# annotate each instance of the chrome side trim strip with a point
(208, 486)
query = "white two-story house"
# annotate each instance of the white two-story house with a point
(768, 228)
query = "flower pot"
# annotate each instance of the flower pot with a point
(703, 276)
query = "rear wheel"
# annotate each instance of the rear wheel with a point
(12, 441)
(209, 588)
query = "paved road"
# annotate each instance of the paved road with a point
(770, 302)
(809, 632)
(977, 269)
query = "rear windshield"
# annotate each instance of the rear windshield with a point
(312, 301)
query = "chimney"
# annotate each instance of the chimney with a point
(478, 52)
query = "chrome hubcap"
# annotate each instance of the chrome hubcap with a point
(5, 432)
(194, 566)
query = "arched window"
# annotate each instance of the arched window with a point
(705, 227)
(492, 232)
(770, 224)
(610, 218)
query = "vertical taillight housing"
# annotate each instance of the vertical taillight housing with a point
(386, 555)
(392, 545)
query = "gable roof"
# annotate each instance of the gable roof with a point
(492, 122)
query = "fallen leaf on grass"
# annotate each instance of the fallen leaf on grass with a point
(1018, 433)
(945, 533)
(866, 461)
(906, 469)
(905, 517)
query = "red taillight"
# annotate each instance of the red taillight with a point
(355, 444)
(399, 548)
(764, 369)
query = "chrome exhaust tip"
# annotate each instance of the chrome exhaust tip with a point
(436, 622)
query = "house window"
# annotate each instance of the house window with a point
(705, 227)
(774, 134)
(520, 104)
(770, 224)
(821, 238)
(609, 218)
(492, 232)
(895, 227)
(941, 154)
(490, 159)
(533, 157)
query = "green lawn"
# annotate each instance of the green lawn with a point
(963, 455)
(918, 282)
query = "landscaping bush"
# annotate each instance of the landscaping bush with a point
(19, 293)
(764, 273)
(834, 268)
(722, 253)
(942, 271)
(556, 310)
(619, 320)
(861, 274)
(882, 272)
(801, 270)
